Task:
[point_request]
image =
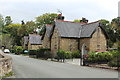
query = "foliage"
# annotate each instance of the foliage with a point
(60, 54)
(76, 54)
(8, 20)
(40, 53)
(47, 18)
(84, 20)
(26, 29)
(116, 27)
(43, 53)
(7, 41)
(1, 23)
(18, 49)
(97, 57)
(68, 55)
(7, 75)
(115, 61)
(76, 20)
(110, 32)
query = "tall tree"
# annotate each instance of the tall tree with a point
(116, 27)
(12, 29)
(47, 18)
(26, 29)
(108, 28)
(1, 24)
(8, 20)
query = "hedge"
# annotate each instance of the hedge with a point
(99, 57)
(40, 53)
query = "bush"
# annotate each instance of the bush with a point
(68, 55)
(18, 49)
(60, 54)
(76, 54)
(99, 57)
(43, 53)
(115, 61)
(40, 53)
(32, 52)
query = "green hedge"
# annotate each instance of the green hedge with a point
(68, 54)
(76, 54)
(18, 49)
(99, 57)
(115, 61)
(40, 53)
(60, 54)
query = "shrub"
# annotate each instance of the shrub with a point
(60, 54)
(18, 49)
(76, 54)
(68, 55)
(115, 61)
(32, 52)
(43, 53)
(97, 57)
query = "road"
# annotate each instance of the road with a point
(25, 67)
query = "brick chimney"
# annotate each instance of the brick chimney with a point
(84, 20)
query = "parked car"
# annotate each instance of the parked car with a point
(6, 51)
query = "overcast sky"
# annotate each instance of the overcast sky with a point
(27, 10)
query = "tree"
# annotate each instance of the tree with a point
(8, 20)
(108, 28)
(47, 18)
(83, 20)
(12, 29)
(26, 29)
(116, 27)
(1, 23)
(7, 41)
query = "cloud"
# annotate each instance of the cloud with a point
(72, 9)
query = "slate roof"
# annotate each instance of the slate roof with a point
(35, 39)
(25, 39)
(76, 30)
(68, 29)
(89, 29)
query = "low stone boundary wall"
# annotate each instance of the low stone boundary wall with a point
(5, 64)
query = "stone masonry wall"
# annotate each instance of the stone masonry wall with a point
(54, 42)
(5, 64)
(98, 41)
(46, 42)
(67, 44)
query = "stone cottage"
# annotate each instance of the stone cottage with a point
(72, 36)
(32, 42)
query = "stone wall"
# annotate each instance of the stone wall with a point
(35, 47)
(54, 42)
(46, 42)
(85, 41)
(98, 41)
(5, 64)
(68, 44)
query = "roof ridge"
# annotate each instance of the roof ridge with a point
(71, 21)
